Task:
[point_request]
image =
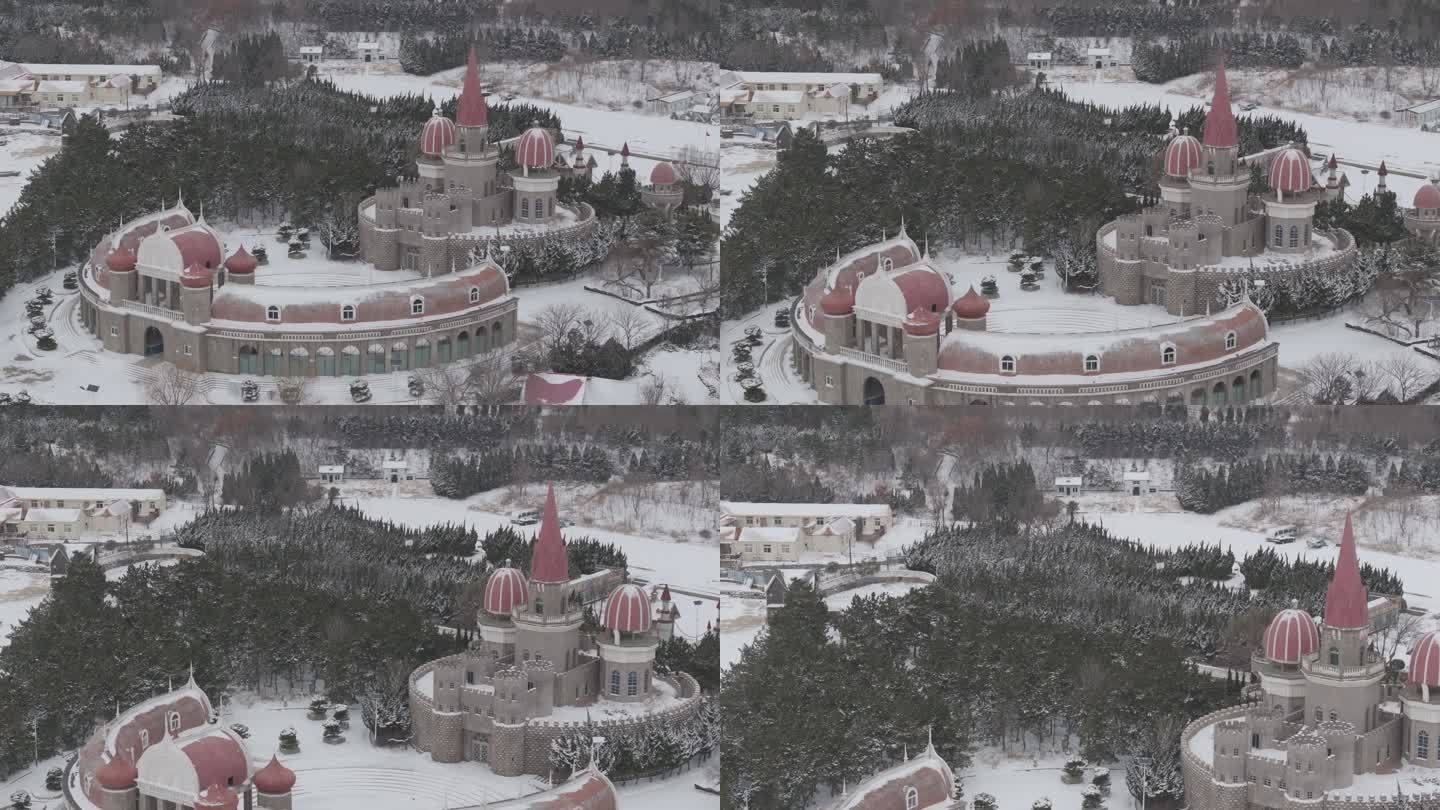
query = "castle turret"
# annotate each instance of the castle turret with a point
(506, 590)
(537, 183)
(118, 778)
(507, 732)
(1380, 175)
(472, 114)
(120, 274)
(1420, 702)
(195, 290)
(625, 155)
(627, 648)
(1290, 207)
(664, 191)
(970, 311)
(240, 267)
(273, 786)
(664, 618)
(1220, 184)
(1342, 677)
(437, 136)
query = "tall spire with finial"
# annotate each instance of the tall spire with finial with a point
(549, 562)
(1346, 598)
(1220, 129)
(471, 110)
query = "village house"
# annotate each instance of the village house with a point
(68, 85)
(870, 520)
(763, 95)
(69, 513)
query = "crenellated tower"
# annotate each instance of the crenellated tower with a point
(1220, 183)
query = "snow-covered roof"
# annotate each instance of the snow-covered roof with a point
(777, 97)
(821, 79)
(1425, 106)
(11, 87)
(368, 46)
(79, 494)
(828, 510)
(312, 49)
(767, 534)
(1098, 52)
(60, 87)
(91, 70)
(1067, 480)
(676, 97)
(1137, 475)
(1037, 55)
(396, 464)
(927, 774)
(732, 93)
(332, 469)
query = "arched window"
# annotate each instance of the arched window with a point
(1279, 235)
(1229, 340)
(1334, 656)
(615, 682)
(1209, 167)
(347, 312)
(1334, 715)
(474, 295)
(524, 207)
(272, 313)
(1294, 236)
(1007, 364)
(172, 721)
(1422, 745)
(1092, 362)
(417, 306)
(886, 264)
(912, 797)
(144, 738)
(1167, 356)
(632, 684)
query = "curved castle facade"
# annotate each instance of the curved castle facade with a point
(533, 675)
(1209, 229)
(1326, 726)
(883, 324)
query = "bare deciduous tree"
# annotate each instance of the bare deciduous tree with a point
(172, 385)
(1405, 375)
(628, 324)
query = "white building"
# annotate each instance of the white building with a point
(1137, 482)
(1100, 57)
(1067, 484)
(370, 51)
(675, 103)
(332, 473)
(763, 544)
(766, 95)
(1041, 60)
(312, 53)
(870, 520)
(71, 85)
(397, 470)
(67, 513)
(1426, 114)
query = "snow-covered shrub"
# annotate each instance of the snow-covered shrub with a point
(332, 732)
(19, 800)
(1074, 771)
(1042, 803)
(241, 729)
(289, 741)
(984, 801)
(1090, 797)
(319, 707)
(1100, 777)
(54, 779)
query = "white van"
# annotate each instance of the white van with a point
(525, 517)
(1283, 534)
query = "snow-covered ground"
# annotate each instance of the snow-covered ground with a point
(1019, 778)
(841, 601)
(741, 622)
(24, 148)
(20, 591)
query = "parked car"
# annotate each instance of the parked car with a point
(525, 517)
(360, 391)
(1249, 105)
(1281, 535)
(1317, 543)
(782, 317)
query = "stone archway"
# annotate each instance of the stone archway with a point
(874, 392)
(154, 342)
(1217, 394)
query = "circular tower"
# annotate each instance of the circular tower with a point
(1290, 206)
(438, 135)
(1182, 155)
(1420, 702)
(118, 779)
(537, 183)
(273, 785)
(627, 649)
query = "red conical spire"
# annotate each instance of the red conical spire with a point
(1220, 121)
(625, 150)
(549, 562)
(1383, 171)
(1346, 600)
(472, 111)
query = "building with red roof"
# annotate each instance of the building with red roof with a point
(171, 750)
(883, 324)
(921, 782)
(1209, 226)
(1324, 713)
(533, 660)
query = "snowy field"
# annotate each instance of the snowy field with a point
(24, 148)
(20, 591)
(840, 601)
(741, 622)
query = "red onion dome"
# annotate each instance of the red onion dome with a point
(274, 778)
(120, 260)
(196, 277)
(117, 774)
(439, 132)
(1428, 196)
(1425, 660)
(839, 301)
(921, 323)
(217, 797)
(627, 609)
(1291, 636)
(241, 261)
(505, 589)
(662, 175)
(971, 305)
(1182, 155)
(1290, 171)
(535, 149)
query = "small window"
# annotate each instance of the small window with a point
(1294, 236)
(417, 306)
(1279, 235)
(114, 331)
(172, 721)
(1422, 745)
(615, 682)
(829, 381)
(1229, 340)
(632, 684)
(474, 295)
(1167, 356)
(912, 797)
(272, 313)
(1007, 364)
(1092, 362)
(347, 312)
(188, 350)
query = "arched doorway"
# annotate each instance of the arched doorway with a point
(154, 342)
(1255, 384)
(1237, 390)
(249, 360)
(874, 392)
(1217, 394)
(1197, 397)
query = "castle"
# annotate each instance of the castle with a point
(1209, 228)
(884, 324)
(1328, 725)
(171, 752)
(165, 285)
(534, 674)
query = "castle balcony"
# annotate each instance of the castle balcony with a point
(1370, 670)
